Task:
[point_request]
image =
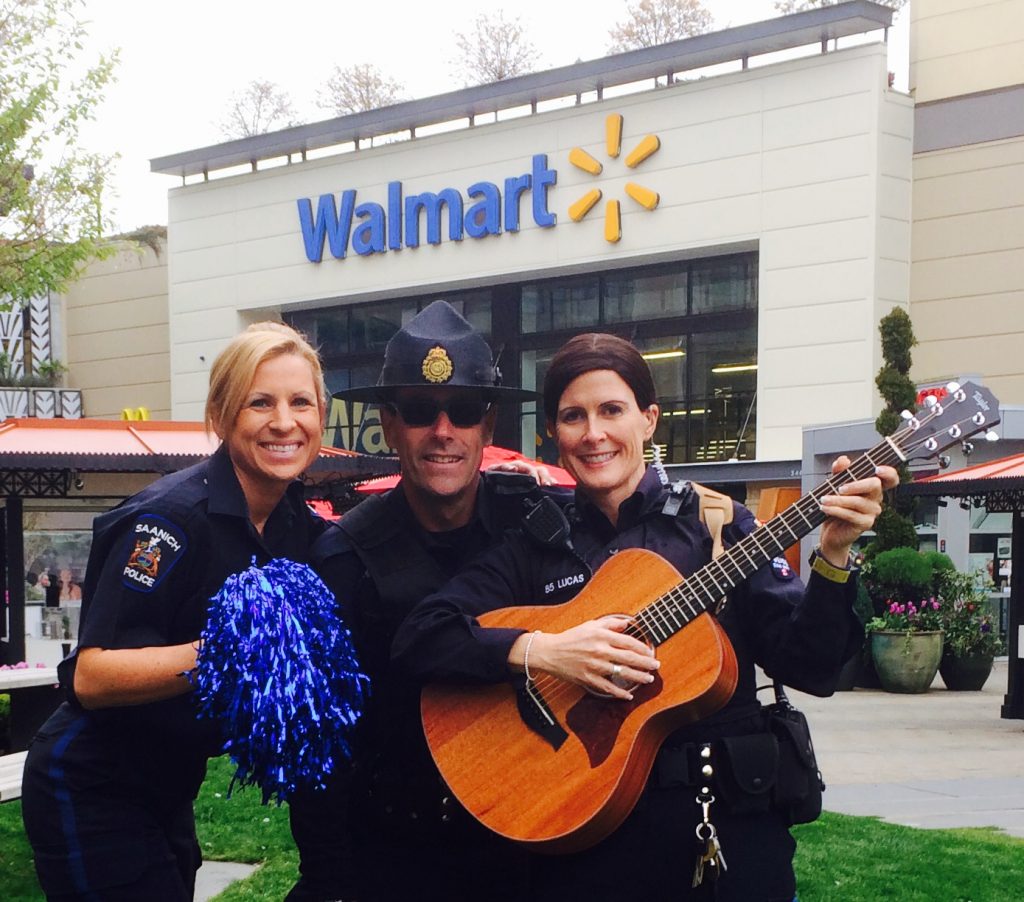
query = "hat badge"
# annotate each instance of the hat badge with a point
(437, 365)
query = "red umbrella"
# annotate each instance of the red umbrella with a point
(492, 455)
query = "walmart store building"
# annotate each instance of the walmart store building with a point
(743, 217)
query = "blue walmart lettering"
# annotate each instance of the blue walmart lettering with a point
(369, 228)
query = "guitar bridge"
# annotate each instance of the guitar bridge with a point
(538, 716)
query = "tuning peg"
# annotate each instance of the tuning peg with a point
(991, 436)
(931, 444)
(930, 401)
(967, 448)
(944, 461)
(952, 387)
(978, 419)
(955, 431)
(906, 414)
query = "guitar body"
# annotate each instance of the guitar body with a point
(515, 781)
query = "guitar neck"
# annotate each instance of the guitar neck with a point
(702, 590)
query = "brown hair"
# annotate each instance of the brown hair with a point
(235, 368)
(597, 351)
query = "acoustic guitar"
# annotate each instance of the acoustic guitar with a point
(551, 765)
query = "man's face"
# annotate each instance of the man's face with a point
(441, 459)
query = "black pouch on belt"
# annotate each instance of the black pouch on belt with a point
(799, 785)
(748, 768)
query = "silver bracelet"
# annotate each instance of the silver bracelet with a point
(526, 656)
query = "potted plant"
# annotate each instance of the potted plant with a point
(906, 644)
(971, 643)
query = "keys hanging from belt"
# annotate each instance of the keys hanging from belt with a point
(710, 860)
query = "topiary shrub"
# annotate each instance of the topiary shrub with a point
(900, 574)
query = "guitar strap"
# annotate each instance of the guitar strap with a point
(715, 512)
(715, 509)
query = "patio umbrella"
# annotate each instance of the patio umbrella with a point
(492, 455)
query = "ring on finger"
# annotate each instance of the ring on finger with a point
(616, 670)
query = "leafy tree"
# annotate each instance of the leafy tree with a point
(51, 190)
(652, 22)
(785, 7)
(494, 50)
(357, 88)
(260, 107)
(894, 527)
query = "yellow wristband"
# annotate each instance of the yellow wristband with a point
(823, 568)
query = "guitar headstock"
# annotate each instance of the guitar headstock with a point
(941, 422)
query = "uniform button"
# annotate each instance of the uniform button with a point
(445, 818)
(446, 801)
(612, 551)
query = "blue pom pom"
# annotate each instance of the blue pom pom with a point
(278, 670)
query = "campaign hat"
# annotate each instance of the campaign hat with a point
(437, 348)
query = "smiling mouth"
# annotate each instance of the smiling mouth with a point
(281, 448)
(594, 459)
(442, 458)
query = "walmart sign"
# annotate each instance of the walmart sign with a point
(340, 223)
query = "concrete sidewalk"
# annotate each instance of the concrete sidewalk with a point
(939, 759)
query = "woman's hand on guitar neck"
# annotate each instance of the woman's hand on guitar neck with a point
(597, 655)
(852, 510)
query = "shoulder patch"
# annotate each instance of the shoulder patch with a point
(155, 545)
(782, 570)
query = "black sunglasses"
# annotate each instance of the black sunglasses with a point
(463, 412)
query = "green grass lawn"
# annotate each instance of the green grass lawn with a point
(839, 858)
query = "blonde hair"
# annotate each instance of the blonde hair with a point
(234, 369)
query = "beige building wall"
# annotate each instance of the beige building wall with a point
(968, 265)
(967, 270)
(116, 327)
(964, 46)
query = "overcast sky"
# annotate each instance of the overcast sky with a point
(182, 61)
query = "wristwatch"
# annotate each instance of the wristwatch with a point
(830, 571)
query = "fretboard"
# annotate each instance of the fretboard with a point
(702, 590)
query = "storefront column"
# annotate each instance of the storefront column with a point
(1013, 703)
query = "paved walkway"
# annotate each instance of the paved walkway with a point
(939, 759)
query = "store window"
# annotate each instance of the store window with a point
(695, 321)
(565, 304)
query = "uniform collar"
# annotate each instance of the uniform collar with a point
(402, 512)
(648, 497)
(225, 491)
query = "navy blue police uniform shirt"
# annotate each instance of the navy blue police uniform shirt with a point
(798, 635)
(155, 563)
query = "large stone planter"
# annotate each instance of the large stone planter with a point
(906, 662)
(965, 674)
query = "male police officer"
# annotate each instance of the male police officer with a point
(388, 832)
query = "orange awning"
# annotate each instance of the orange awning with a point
(139, 446)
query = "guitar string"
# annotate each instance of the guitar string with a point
(667, 606)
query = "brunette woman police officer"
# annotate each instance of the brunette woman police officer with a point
(110, 778)
(599, 402)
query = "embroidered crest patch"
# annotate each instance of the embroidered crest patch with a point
(437, 366)
(154, 547)
(781, 569)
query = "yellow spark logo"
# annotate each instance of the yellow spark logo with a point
(644, 196)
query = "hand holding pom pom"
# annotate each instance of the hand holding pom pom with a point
(277, 669)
